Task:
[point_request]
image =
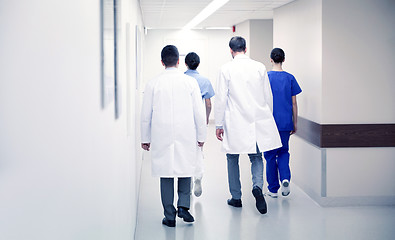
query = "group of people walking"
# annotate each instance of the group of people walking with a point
(255, 112)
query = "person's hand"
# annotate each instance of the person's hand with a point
(219, 133)
(146, 146)
(294, 131)
(200, 144)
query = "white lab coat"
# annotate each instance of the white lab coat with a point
(243, 106)
(173, 121)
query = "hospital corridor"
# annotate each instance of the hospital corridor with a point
(86, 87)
(293, 217)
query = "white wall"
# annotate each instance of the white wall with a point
(297, 29)
(67, 167)
(358, 55)
(306, 166)
(358, 87)
(343, 66)
(261, 37)
(372, 171)
(243, 30)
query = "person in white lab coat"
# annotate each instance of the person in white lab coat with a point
(173, 126)
(244, 119)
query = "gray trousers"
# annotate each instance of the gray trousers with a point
(234, 172)
(167, 195)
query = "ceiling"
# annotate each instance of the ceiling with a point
(175, 14)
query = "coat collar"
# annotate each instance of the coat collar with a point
(241, 56)
(191, 71)
(171, 68)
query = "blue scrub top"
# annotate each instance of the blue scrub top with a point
(284, 86)
(206, 89)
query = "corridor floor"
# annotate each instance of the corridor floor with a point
(294, 217)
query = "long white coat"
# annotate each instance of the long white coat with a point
(243, 106)
(173, 121)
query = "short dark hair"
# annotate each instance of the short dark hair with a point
(237, 44)
(277, 55)
(192, 60)
(170, 56)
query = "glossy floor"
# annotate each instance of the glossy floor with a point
(293, 217)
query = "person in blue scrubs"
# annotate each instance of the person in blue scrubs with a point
(285, 111)
(192, 61)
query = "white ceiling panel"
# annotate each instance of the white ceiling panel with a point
(175, 14)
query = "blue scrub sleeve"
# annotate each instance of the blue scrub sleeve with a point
(208, 91)
(295, 88)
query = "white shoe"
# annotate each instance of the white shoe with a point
(273, 195)
(198, 187)
(285, 189)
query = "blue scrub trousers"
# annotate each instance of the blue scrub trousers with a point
(277, 163)
(234, 172)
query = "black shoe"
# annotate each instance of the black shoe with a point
(185, 215)
(260, 200)
(234, 202)
(169, 223)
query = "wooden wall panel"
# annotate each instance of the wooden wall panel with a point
(346, 135)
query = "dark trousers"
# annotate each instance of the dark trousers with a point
(167, 195)
(277, 163)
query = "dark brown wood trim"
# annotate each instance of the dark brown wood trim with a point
(358, 135)
(309, 131)
(346, 135)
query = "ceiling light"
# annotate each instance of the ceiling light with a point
(205, 13)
